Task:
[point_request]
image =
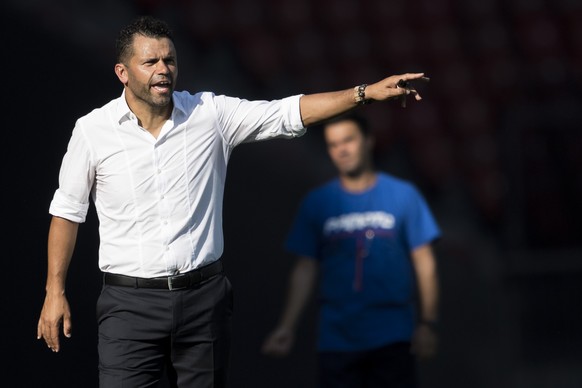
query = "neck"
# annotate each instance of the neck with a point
(360, 182)
(151, 118)
(152, 121)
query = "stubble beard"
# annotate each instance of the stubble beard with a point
(156, 102)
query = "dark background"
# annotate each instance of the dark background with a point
(495, 146)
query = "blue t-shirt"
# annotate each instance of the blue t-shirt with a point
(363, 243)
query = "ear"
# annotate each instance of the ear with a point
(121, 72)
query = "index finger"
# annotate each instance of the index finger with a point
(412, 76)
(52, 339)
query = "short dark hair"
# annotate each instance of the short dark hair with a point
(144, 25)
(360, 121)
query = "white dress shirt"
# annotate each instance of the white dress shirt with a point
(159, 201)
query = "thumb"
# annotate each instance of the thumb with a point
(67, 327)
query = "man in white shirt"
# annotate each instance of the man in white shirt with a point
(154, 163)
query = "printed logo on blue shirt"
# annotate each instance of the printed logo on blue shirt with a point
(357, 221)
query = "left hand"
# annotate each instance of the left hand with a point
(424, 341)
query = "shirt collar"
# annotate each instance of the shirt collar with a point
(123, 113)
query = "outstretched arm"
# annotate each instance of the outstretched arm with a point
(55, 311)
(322, 106)
(301, 283)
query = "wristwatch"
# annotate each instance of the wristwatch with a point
(360, 94)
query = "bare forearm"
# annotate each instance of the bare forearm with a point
(427, 279)
(301, 285)
(61, 244)
(318, 107)
(429, 297)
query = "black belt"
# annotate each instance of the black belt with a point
(176, 282)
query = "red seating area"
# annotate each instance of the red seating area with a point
(484, 57)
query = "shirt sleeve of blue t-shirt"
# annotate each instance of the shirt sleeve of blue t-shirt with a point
(420, 226)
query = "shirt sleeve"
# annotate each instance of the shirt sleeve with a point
(76, 177)
(420, 225)
(246, 121)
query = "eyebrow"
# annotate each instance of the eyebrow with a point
(165, 58)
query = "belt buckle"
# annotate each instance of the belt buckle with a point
(171, 280)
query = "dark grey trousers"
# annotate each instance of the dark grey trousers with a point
(144, 333)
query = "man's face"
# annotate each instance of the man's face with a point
(150, 73)
(348, 149)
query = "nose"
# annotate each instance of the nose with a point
(162, 67)
(342, 149)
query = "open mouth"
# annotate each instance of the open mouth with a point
(162, 87)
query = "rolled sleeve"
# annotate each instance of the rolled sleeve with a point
(76, 177)
(292, 115)
(64, 207)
